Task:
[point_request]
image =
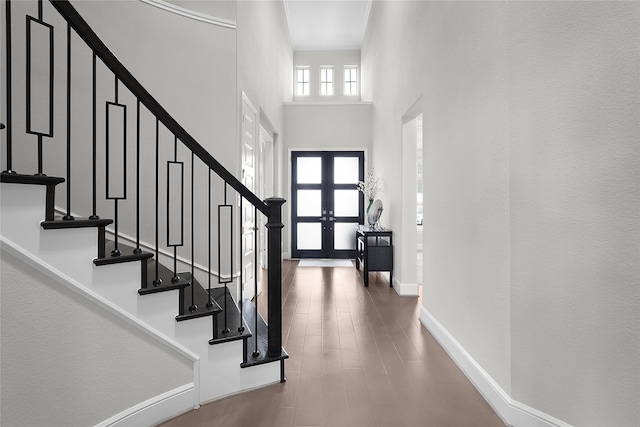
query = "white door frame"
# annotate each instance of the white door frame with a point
(266, 184)
(406, 251)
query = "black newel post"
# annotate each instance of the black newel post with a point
(274, 247)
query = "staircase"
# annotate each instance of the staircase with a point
(156, 268)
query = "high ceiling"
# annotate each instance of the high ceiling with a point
(327, 24)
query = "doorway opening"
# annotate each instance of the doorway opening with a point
(412, 195)
(419, 199)
(326, 205)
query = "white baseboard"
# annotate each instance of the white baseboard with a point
(406, 289)
(513, 413)
(155, 410)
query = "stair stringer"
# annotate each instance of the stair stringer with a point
(68, 255)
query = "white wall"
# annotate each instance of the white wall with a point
(265, 68)
(188, 65)
(66, 361)
(321, 127)
(531, 188)
(574, 184)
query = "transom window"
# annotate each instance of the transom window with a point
(350, 80)
(302, 81)
(326, 81)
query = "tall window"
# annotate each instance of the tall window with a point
(302, 81)
(326, 81)
(350, 80)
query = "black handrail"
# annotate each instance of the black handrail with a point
(83, 29)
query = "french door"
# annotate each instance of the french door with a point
(326, 203)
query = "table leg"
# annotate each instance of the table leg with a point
(365, 271)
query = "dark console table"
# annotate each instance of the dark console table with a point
(374, 251)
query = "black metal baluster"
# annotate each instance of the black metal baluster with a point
(193, 305)
(8, 87)
(115, 251)
(230, 279)
(94, 210)
(209, 302)
(40, 167)
(240, 278)
(226, 280)
(137, 250)
(180, 168)
(122, 194)
(40, 130)
(40, 172)
(68, 216)
(157, 281)
(256, 353)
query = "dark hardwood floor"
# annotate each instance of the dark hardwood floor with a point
(358, 357)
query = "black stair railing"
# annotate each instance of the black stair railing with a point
(187, 157)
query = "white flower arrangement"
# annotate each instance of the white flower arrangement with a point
(371, 185)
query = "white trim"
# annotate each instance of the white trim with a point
(24, 255)
(513, 413)
(406, 289)
(366, 22)
(326, 48)
(288, 15)
(155, 410)
(330, 103)
(246, 99)
(413, 111)
(225, 23)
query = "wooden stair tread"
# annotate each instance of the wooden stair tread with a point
(17, 178)
(263, 356)
(201, 297)
(165, 275)
(127, 254)
(59, 223)
(233, 319)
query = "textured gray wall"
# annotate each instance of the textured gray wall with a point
(531, 232)
(67, 361)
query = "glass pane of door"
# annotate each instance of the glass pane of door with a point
(346, 202)
(309, 236)
(346, 170)
(309, 203)
(309, 170)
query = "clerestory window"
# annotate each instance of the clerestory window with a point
(326, 81)
(302, 81)
(351, 80)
